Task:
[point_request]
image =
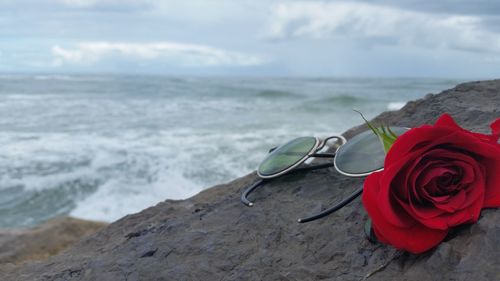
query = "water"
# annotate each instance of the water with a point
(100, 147)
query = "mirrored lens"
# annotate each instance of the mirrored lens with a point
(286, 156)
(362, 154)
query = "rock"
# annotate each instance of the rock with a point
(47, 239)
(212, 236)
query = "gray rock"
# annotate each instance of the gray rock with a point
(40, 242)
(212, 236)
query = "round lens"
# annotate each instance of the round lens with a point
(362, 154)
(286, 156)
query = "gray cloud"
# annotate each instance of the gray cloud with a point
(128, 6)
(167, 52)
(382, 25)
(459, 7)
(382, 37)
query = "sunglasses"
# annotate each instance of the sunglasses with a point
(362, 155)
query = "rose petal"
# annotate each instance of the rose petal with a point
(405, 143)
(415, 238)
(489, 155)
(430, 214)
(386, 199)
(452, 203)
(447, 121)
(415, 176)
(420, 212)
(492, 180)
(468, 212)
(495, 128)
(411, 181)
(435, 177)
(431, 175)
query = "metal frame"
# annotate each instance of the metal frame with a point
(314, 148)
(312, 153)
(353, 175)
(356, 175)
(320, 144)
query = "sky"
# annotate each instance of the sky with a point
(378, 38)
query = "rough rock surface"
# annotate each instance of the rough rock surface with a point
(212, 236)
(47, 239)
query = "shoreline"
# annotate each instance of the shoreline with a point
(38, 243)
(212, 236)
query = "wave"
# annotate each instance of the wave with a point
(109, 175)
(56, 77)
(68, 78)
(104, 150)
(345, 99)
(396, 105)
(12, 77)
(348, 100)
(104, 177)
(276, 94)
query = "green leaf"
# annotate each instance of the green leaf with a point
(386, 136)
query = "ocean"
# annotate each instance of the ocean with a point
(103, 146)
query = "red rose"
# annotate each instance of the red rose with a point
(435, 177)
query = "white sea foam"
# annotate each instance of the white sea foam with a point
(117, 198)
(11, 77)
(67, 78)
(395, 105)
(120, 174)
(56, 77)
(102, 150)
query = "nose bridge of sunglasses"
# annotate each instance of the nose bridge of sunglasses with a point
(327, 142)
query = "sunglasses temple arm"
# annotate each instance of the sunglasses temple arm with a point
(272, 149)
(248, 190)
(333, 209)
(323, 155)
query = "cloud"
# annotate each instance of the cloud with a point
(106, 3)
(179, 54)
(465, 7)
(372, 24)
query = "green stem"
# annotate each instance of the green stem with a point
(386, 136)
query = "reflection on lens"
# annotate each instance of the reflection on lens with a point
(362, 154)
(286, 156)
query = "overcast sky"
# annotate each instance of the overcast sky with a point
(252, 37)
